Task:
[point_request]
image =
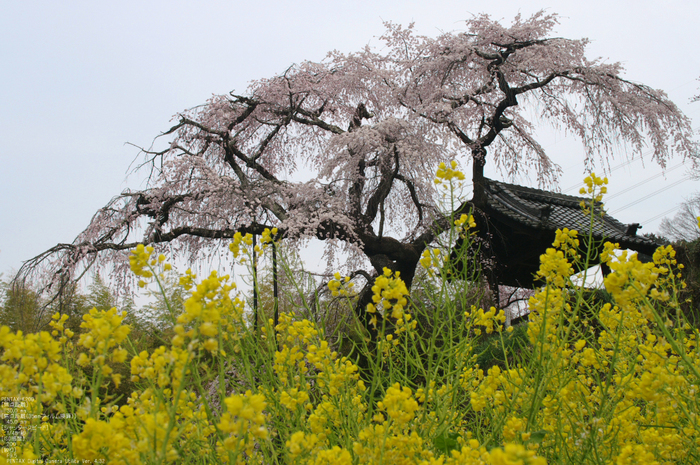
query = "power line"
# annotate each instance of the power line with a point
(646, 222)
(652, 194)
(614, 168)
(643, 182)
(617, 167)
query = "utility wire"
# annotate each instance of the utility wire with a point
(661, 214)
(617, 167)
(652, 194)
(614, 168)
(643, 182)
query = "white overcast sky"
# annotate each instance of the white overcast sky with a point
(80, 79)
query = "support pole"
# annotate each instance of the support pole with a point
(255, 288)
(274, 285)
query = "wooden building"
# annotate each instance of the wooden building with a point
(517, 224)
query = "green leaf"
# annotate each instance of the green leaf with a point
(447, 442)
(537, 437)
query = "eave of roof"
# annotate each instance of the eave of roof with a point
(545, 210)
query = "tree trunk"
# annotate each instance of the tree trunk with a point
(404, 259)
(479, 161)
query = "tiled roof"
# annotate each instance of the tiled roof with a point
(546, 210)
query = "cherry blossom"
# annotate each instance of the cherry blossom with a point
(345, 150)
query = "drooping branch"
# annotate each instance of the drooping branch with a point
(383, 189)
(232, 163)
(414, 195)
